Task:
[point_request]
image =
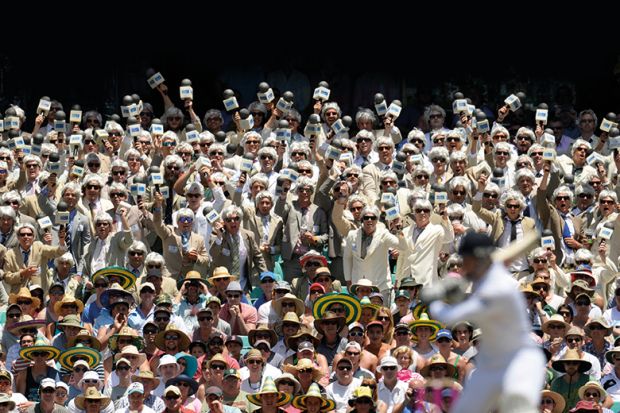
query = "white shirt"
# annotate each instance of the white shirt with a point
(394, 396)
(341, 394)
(611, 383)
(612, 316)
(145, 409)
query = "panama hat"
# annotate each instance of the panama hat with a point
(183, 378)
(289, 376)
(437, 360)
(312, 255)
(299, 305)
(559, 402)
(351, 304)
(573, 355)
(221, 272)
(435, 326)
(85, 334)
(595, 385)
(25, 323)
(600, 321)
(24, 292)
(191, 276)
(362, 392)
(40, 345)
(305, 334)
(583, 285)
(314, 391)
(364, 282)
(91, 394)
(126, 331)
(269, 387)
(554, 319)
(609, 356)
(273, 337)
(117, 288)
(303, 364)
(130, 350)
(126, 278)
(289, 317)
(328, 316)
(184, 339)
(69, 356)
(69, 300)
(146, 375)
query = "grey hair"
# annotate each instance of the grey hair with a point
(353, 169)
(416, 134)
(535, 253)
(365, 114)
(458, 156)
(330, 105)
(455, 133)
(261, 195)
(454, 259)
(11, 195)
(525, 173)
(588, 112)
(184, 146)
(499, 129)
(357, 198)
(421, 169)
(262, 178)
(170, 135)
(578, 143)
(535, 147)
(131, 152)
(213, 113)
(422, 204)
(154, 258)
(206, 137)
(365, 134)
(439, 152)
(371, 209)
(230, 210)
(384, 140)
(118, 187)
(268, 150)
(90, 114)
(410, 147)
(511, 195)
(525, 158)
(306, 164)
(300, 147)
(26, 225)
(304, 181)
(460, 181)
(583, 254)
(173, 111)
(492, 187)
(138, 246)
(251, 134)
(32, 158)
(415, 196)
(503, 146)
(185, 213)
(173, 159)
(294, 113)
(73, 186)
(66, 257)
(387, 175)
(584, 189)
(112, 126)
(454, 209)
(431, 109)
(527, 132)
(103, 217)
(217, 147)
(7, 211)
(259, 107)
(563, 190)
(93, 177)
(119, 163)
(606, 193)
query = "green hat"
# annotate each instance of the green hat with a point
(69, 356)
(40, 345)
(402, 293)
(314, 391)
(126, 278)
(418, 310)
(351, 304)
(213, 299)
(71, 320)
(269, 387)
(435, 326)
(163, 299)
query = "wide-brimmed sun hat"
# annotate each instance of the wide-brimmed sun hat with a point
(592, 385)
(364, 282)
(352, 306)
(304, 334)
(424, 321)
(314, 391)
(69, 300)
(438, 360)
(24, 293)
(80, 352)
(25, 323)
(184, 340)
(269, 387)
(40, 346)
(288, 297)
(559, 402)
(554, 320)
(126, 278)
(329, 317)
(573, 355)
(126, 331)
(182, 378)
(91, 394)
(263, 329)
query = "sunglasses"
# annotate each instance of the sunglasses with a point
(186, 220)
(573, 340)
(369, 218)
(345, 368)
(171, 337)
(236, 296)
(313, 264)
(80, 369)
(218, 367)
(173, 397)
(254, 361)
(540, 260)
(123, 367)
(233, 219)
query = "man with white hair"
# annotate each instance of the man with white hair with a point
(91, 201)
(372, 173)
(107, 247)
(8, 237)
(577, 163)
(26, 263)
(28, 181)
(157, 274)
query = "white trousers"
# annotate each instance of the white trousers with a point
(513, 386)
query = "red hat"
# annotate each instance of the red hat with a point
(582, 404)
(317, 286)
(306, 257)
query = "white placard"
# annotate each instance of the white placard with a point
(192, 136)
(381, 108)
(394, 110)
(62, 217)
(388, 198)
(75, 140)
(11, 122)
(614, 143)
(157, 129)
(291, 174)
(460, 106)
(19, 142)
(156, 178)
(417, 158)
(247, 123)
(547, 242)
(59, 125)
(347, 158)
(44, 106)
(212, 216)
(549, 155)
(284, 105)
(441, 197)
(266, 97)
(483, 126)
(133, 110)
(164, 191)
(137, 189)
(605, 233)
(333, 153)
(513, 102)
(27, 149)
(125, 111)
(77, 170)
(283, 134)
(595, 158)
(134, 130)
(542, 115)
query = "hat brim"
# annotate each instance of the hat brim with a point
(273, 337)
(420, 309)
(27, 324)
(591, 279)
(283, 398)
(127, 278)
(545, 326)
(608, 329)
(326, 404)
(304, 260)
(59, 304)
(15, 296)
(93, 340)
(53, 352)
(316, 373)
(425, 372)
(351, 304)
(155, 379)
(559, 402)
(293, 341)
(185, 379)
(184, 339)
(137, 341)
(354, 287)
(432, 324)
(317, 324)
(92, 356)
(79, 401)
(300, 307)
(191, 364)
(217, 277)
(584, 365)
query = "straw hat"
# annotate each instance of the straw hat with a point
(40, 345)
(554, 319)
(351, 304)
(364, 282)
(273, 337)
(85, 334)
(573, 355)
(289, 317)
(305, 334)
(24, 292)
(314, 391)
(146, 375)
(528, 290)
(69, 300)
(25, 323)
(329, 316)
(269, 387)
(126, 278)
(438, 360)
(91, 394)
(126, 331)
(365, 303)
(118, 288)
(424, 321)
(303, 364)
(221, 272)
(5, 398)
(592, 385)
(70, 355)
(184, 339)
(560, 403)
(609, 356)
(299, 305)
(600, 321)
(130, 350)
(218, 358)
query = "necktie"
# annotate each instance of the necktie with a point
(513, 230)
(26, 255)
(168, 215)
(366, 240)
(185, 241)
(566, 229)
(234, 252)
(2, 238)
(68, 236)
(526, 211)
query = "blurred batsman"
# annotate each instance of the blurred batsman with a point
(510, 367)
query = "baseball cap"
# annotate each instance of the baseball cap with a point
(122, 360)
(213, 390)
(305, 345)
(213, 299)
(282, 285)
(47, 382)
(135, 387)
(172, 389)
(232, 372)
(234, 338)
(388, 362)
(81, 363)
(443, 333)
(353, 344)
(267, 274)
(257, 342)
(402, 293)
(149, 285)
(317, 286)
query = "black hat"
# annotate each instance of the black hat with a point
(476, 244)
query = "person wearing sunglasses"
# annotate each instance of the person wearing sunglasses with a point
(156, 272)
(342, 389)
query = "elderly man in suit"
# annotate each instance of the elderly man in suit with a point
(107, 248)
(372, 173)
(366, 253)
(91, 202)
(184, 250)
(419, 249)
(305, 227)
(118, 193)
(26, 263)
(78, 230)
(8, 237)
(236, 249)
(265, 226)
(508, 224)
